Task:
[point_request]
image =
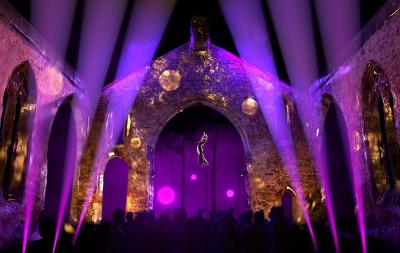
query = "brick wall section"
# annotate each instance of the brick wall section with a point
(345, 86)
(20, 43)
(214, 78)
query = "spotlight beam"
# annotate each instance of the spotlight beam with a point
(293, 23)
(68, 178)
(148, 21)
(253, 44)
(100, 28)
(117, 111)
(339, 23)
(272, 107)
(53, 20)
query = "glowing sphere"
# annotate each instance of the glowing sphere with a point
(230, 193)
(193, 177)
(170, 80)
(166, 195)
(249, 106)
(135, 142)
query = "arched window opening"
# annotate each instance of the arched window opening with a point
(115, 188)
(61, 156)
(13, 139)
(287, 204)
(339, 171)
(380, 129)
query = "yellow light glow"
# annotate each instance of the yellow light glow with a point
(290, 189)
(135, 142)
(250, 106)
(357, 141)
(69, 228)
(170, 80)
(97, 212)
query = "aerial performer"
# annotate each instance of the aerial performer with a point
(202, 160)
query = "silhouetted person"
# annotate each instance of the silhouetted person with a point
(283, 233)
(255, 236)
(117, 236)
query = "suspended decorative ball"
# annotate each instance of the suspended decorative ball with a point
(170, 80)
(249, 106)
(135, 142)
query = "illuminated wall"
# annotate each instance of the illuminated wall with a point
(178, 80)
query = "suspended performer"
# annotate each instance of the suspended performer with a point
(202, 160)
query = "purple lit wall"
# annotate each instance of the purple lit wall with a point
(115, 187)
(176, 163)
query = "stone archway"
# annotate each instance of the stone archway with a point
(20, 93)
(340, 173)
(220, 185)
(226, 114)
(115, 187)
(379, 128)
(61, 157)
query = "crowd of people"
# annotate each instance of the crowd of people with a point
(174, 232)
(221, 232)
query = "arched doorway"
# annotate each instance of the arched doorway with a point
(115, 187)
(340, 173)
(61, 156)
(181, 182)
(14, 132)
(287, 204)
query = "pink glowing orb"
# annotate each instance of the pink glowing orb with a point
(166, 195)
(193, 177)
(230, 193)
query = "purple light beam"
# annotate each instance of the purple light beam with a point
(53, 20)
(253, 44)
(148, 21)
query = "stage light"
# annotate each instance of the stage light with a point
(166, 195)
(250, 106)
(170, 80)
(230, 193)
(193, 177)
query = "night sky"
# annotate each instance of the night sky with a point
(179, 22)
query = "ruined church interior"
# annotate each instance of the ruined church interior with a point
(194, 126)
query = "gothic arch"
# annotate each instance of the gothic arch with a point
(18, 103)
(230, 116)
(379, 129)
(61, 157)
(115, 187)
(336, 146)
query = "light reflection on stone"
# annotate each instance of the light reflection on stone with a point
(135, 142)
(250, 106)
(170, 80)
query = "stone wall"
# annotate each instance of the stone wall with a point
(374, 68)
(140, 105)
(48, 87)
